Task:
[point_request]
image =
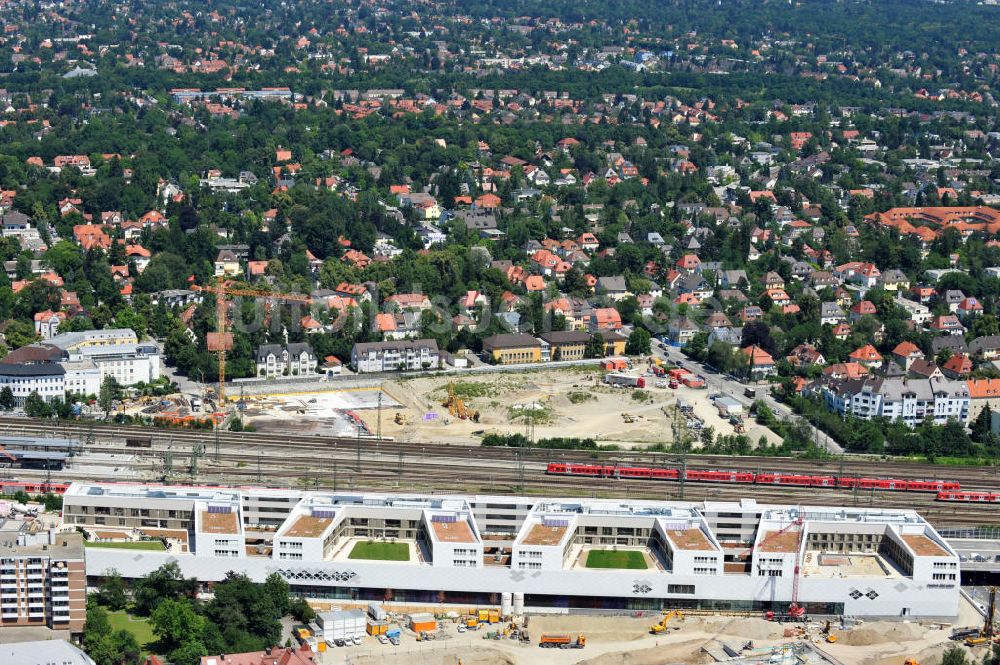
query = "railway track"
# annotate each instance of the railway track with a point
(303, 462)
(974, 477)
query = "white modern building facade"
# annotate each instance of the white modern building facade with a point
(391, 356)
(473, 549)
(910, 400)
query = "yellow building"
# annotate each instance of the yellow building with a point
(614, 343)
(512, 349)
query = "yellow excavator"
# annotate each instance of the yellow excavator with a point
(661, 626)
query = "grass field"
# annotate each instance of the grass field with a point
(381, 551)
(140, 628)
(624, 559)
(147, 545)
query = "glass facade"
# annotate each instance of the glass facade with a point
(566, 602)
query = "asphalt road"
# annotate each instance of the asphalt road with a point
(718, 382)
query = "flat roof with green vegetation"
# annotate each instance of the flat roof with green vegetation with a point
(149, 545)
(381, 551)
(139, 627)
(628, 559)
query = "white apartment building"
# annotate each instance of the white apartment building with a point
(395, 355)
(909, 400)
(274, 361)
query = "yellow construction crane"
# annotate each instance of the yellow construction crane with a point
(457, 407)
(221, 341)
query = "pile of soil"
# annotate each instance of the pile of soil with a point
(880, 632)
(596, 629)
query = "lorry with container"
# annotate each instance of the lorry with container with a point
(750, 393)
(625, 380)
(561, 641)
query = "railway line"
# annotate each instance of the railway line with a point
(973, 477)
(306, 461)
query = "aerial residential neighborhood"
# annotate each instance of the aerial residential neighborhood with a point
(490, 331)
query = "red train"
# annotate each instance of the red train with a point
(970, 497)
(32, 487)
(750, 478)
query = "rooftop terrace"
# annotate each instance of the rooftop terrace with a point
(776, 541)
(924, 546)
(689, 539)
(453, 532)
(219, 522)
(542, 534)
(308, 526)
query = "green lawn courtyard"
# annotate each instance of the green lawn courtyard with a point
(140, 628)
(627, 559)
(380, 551)
(146, 545)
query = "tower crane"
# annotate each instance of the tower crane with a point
(221, 341)
(795, 610)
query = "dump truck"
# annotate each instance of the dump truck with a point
(562, 642)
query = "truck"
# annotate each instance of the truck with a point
(625, 380)
(693, 381)
(562, 641)
(750, 393)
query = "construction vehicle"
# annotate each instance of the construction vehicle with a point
(987, 633)
(221, 341)
(456, 406)
(562, 642)
(627, 417)
(828, 632)
(911, 661)
(661, 626)
(399, 419)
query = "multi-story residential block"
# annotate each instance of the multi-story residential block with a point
(467, 549)
(43, 581)
(394, 356)
(911, 401)
(274, 361)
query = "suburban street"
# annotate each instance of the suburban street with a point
(718, 382)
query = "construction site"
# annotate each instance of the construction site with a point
(575, 402)
(658, 639)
